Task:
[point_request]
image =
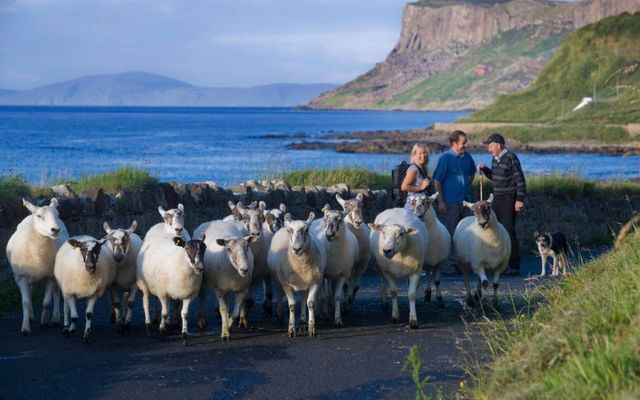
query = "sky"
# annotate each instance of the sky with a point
(206, 43)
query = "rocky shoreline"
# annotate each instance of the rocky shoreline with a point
(398, 142)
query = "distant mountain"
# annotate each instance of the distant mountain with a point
(603, 57)
(146, 89)
(460, 54)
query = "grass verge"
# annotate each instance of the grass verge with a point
(358, 177)
(114, 181)
(582, 342)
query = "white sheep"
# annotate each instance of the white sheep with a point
(397, 242)
(228, 269)
(170, 268)
(273, 222)
(439, 246)
(124, 246)
(298, 263)
(356, 225)
(31, 252)
(483, 244)
(172, 225)
(83, 269)
(340, 248)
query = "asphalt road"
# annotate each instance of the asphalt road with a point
(363, 359)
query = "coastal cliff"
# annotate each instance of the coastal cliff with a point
(463, 54)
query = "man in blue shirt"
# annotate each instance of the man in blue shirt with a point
(452, 178)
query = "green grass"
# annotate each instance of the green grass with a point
(354, 177)
(581, 343)
(12, 188)
(565, 132)
(112, 182)
(604, 56)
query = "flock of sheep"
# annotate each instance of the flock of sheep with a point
(322, 258)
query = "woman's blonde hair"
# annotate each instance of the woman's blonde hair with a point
(420, 146)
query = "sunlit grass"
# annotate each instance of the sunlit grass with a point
(357, 177)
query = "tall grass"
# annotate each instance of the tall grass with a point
(12, 188)
(114, 181)
(583, 341)
(354, 177)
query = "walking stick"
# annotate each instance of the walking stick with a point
(481, 184)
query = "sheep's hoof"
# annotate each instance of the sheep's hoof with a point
(185, 339)
(395, 319)
(250, 303)
(440, 302)
(338, 322)
(427, 295)
(147, 325)
(225, 336)
(65, 331)
(163, 333)
(312, 331)
(44, 321)
(87, 336)
(243, 323)
(413, 324)
(292, 331)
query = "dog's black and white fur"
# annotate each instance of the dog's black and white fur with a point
(553, 245)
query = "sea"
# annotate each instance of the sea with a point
(226, 145)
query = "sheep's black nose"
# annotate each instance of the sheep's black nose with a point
(55, 230)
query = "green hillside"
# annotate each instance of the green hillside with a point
(603, 57)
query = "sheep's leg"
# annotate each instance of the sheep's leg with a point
(115, 308)
(414, 280)
(164, 315)
(71, 302)
(88, 315)
(311, 302)
(268, 296)
(145, 307)
(25, 292)
(395, 312)
(46, 303)
(65, 312)
(496, 278)
(202, 320)
(483, 282)
(31, 314)
(337, 299)
(291, 300)
(544, 264)
(384, 299)
(185, 321)
(438, 271)
(239, 308)
(355, 286)
(55, 319)
(224, 315)
(303, 311)
(131, 298)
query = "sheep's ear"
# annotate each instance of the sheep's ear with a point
(467, 204)
(359, 197)
(54, 203)
(283, 207)
(106, 227)
(287, 220)
(262, 206)
(29, 206)
(326, 208)
(312, 216)
(203, 236)
(133, 227)
(490, 199)
(221, 242)
(411, 231)
(178, 241)
(181, 207)
(434, 196)
(253, 205)
(74, 243)
(340, 200)
(101, 241)
(375, 227)
(252, 238)
(161, 211)
(231, 205)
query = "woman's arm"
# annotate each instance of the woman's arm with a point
(409, 178)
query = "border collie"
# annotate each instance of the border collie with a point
(553, 245)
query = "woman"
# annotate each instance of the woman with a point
(417, 177)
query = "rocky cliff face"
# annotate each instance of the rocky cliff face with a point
(458, 55)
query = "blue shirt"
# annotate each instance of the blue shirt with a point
(454, 173)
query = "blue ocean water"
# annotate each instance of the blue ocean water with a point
(223, 144)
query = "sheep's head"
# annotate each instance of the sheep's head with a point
(298, 231)
(275, 217)
(353, 207)
(394, 238)
(420, 202)
(194, 250)
(235, 210)
(118, 240)
(90, 251)
(482, 211)
(46, 221)
(173, 219)
(239, 253)
(333, 222)
(252, 218)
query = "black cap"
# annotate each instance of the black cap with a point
(494, 138)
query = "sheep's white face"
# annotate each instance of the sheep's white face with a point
(394, 238)
(420, 202)
(353, 207)
(194, 251)
(333, 223)
(90, 251)
(46, 221)
(239, 253)
(275, 217)
(118, 240)
(299, 239)
(173, 219)
(252, 220)
(482, 211)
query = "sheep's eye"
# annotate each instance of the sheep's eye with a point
(40, 216)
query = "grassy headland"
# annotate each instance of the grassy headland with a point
(582, 342)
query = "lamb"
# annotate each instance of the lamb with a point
(340, 248)
(483, 244)
(228, 268)
(170, 268)
(31, 252)
(124, 246)
(356, 225)
(398, 239)
(437, 251)
(298, 263)
(83, 269)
